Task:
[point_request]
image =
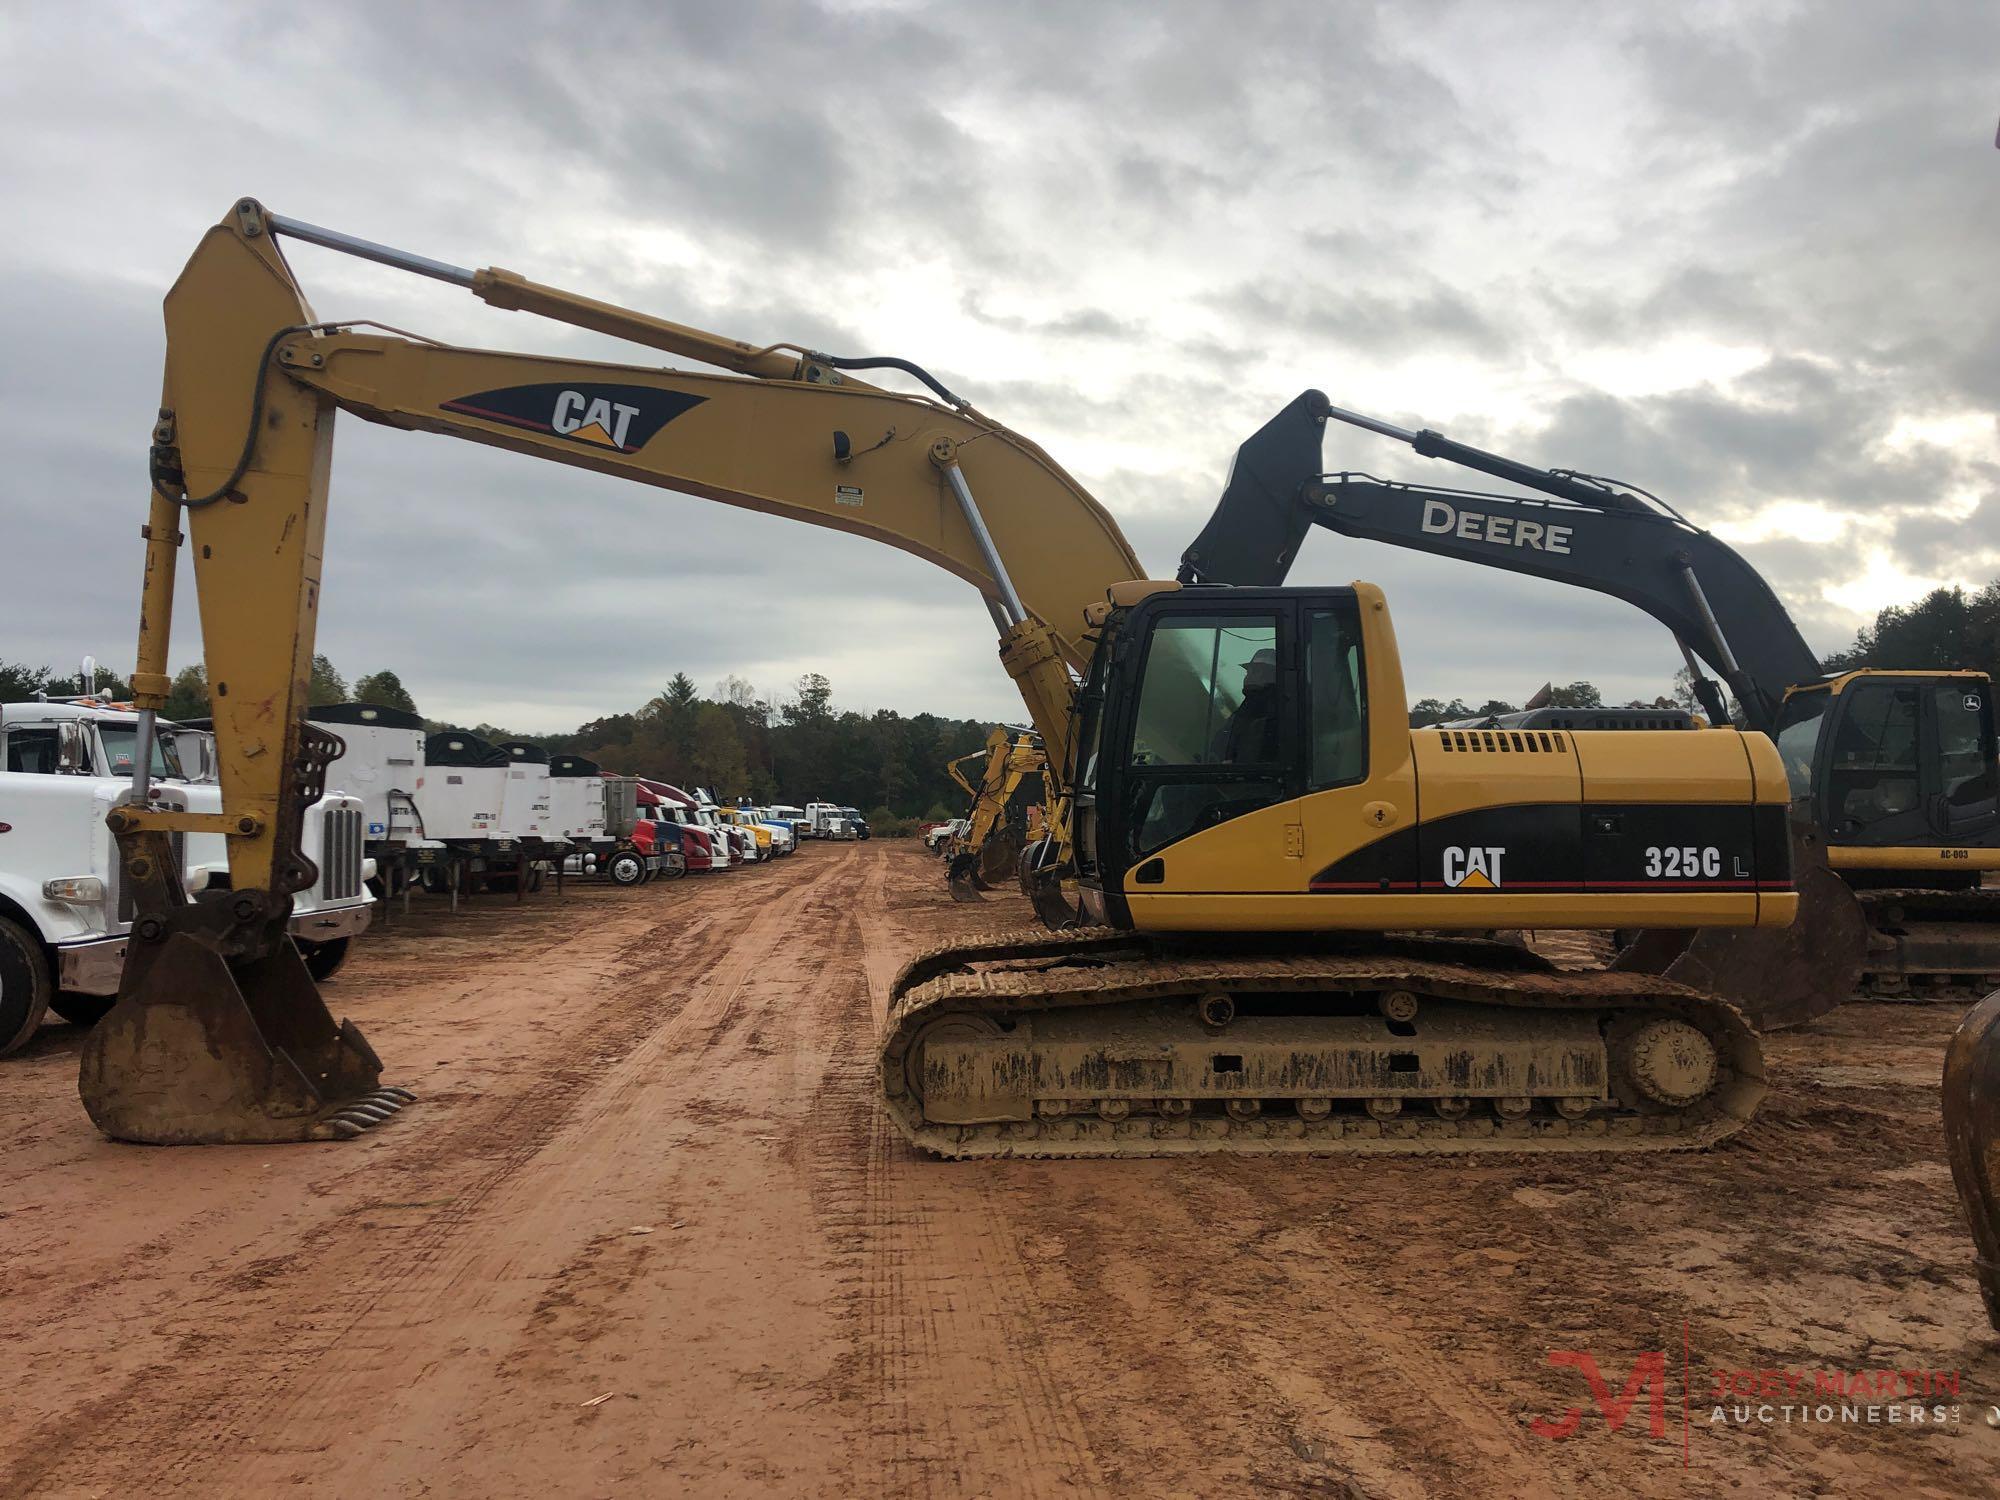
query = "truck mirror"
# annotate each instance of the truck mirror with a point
(73, 749)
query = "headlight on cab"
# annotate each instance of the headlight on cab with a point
(84, 890)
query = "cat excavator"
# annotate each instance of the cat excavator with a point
(1276, 880)
(1895, 771)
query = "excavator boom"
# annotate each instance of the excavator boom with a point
(214, 1000)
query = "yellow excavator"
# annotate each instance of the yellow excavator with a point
(1268, 862)
(988, 853)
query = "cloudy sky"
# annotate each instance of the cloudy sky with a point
(1745, 255)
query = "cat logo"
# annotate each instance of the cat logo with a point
(593, 421)
(616, 418)
(1472, 869)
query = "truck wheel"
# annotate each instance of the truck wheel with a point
(626, 868)
(323, 960)
(81, 1010)
(24, 985)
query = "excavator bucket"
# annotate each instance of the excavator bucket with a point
(1972, 1137)
(219, 1036)
(999, 858)
(963, 877)
(1041, 871)
(1777, 976)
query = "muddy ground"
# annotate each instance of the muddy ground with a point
(645, 1233)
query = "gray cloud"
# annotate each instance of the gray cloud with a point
(1130, 232)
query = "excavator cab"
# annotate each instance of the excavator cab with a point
(1895, 760)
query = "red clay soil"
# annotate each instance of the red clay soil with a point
(646, 1233)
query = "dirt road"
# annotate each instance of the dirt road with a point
(645, 1234)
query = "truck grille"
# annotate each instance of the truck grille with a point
(340, 854)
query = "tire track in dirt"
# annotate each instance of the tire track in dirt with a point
(511, 1196)
(954, 1391)
(384, 1282)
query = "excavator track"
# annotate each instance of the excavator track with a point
(1931, 944)
(1095, 1043)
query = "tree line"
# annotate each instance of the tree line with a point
(890, 765)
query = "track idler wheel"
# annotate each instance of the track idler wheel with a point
(1777, 976)
(1972, 1137)
(219, 1036)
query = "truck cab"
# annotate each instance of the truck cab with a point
(795, 817)
(64, 910)
(828, 821)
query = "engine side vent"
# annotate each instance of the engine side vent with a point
(1500, 742)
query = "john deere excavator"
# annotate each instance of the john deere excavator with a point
(1249, 816)
(988, 853)
(1895, 771)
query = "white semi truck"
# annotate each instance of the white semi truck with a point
(65, 913)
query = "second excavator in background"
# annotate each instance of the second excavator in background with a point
(1894, 771)
(988, 853)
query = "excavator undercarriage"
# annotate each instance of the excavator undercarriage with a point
(1105, 1043)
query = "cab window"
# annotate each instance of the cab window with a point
(1965, 745)
(1873, 766)
(121, 743)
(1210, 695)
(1337, 688)
(1799, 724)
(1211, 734)
(34, 750)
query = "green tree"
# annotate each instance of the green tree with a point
(814, 702)
(680, 692)
(1576, 695)
(386, 688)
(1944, 629)
(188, 698)
(19, 681)
(326, 685)
(717, 758)
(1437, 711)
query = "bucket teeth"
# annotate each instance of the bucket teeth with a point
(367, 1112)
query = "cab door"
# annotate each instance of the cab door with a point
(1206, 738)
(1871, 771)
(1962, 801)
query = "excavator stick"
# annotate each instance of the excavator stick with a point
(1778, 977)
(219, 1035)
(1972, 1137)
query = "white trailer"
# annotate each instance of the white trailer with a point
(381, 758)
(462, 799)
(527, 811)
